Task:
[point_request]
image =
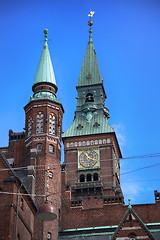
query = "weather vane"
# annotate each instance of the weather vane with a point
(90, 23)
(91, 14)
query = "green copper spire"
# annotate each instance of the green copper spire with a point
(90, 73)
(45, 73)
(91, 115)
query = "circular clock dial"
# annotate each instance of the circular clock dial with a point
(88, 158)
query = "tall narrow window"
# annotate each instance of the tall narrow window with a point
(49, 235)
(52, 122)
(39, 146)
(95, 177)
(39, 123)
(82, 178)
(22, 203)
(51, 148)
(89, 97)
(89, 177)
(29, 126)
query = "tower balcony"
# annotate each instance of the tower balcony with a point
(87, 185)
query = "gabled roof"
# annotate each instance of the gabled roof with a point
(131, 225)
(45, 71)
(90, 73)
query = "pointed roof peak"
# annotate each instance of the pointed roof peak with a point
(45, 73)
(90, 72)
(45, 37)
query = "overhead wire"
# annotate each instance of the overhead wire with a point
(54, 164)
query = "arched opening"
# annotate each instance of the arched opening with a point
(82, 178)
(49, 235)
(89, 177)
(132, 236)
(89, 97)
(95, 177)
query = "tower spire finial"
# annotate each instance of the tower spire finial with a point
(90, 23)
(129, 206)
(46, 35)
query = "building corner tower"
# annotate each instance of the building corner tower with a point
(43, 125)
(91, 174)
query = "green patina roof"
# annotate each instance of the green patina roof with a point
(91, 114)
(90, 73)
(80, 126)
(45, 71)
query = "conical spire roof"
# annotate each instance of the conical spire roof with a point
(90, 73)
(45, 73)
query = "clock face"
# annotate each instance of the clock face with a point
(88, 158)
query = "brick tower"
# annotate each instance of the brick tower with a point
(43, 124)
(91, 170)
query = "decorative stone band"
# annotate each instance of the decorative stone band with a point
(40, 105)
(88, 143)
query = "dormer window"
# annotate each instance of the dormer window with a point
(89, 97)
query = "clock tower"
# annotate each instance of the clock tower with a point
(91, 166)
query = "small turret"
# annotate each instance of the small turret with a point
(44, 86)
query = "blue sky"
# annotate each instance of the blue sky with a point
(126, 36)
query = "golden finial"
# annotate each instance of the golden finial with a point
(90, 23)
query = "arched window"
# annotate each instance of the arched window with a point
(89, 97)
(89, 177)
(39, 123)
(52, 123)
(18, 237)
(95, 177)
(29, 126)
(51, 148)
(39, 146)
(49, 235)
(82, 178)
(132, 236)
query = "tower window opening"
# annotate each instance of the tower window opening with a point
(95, 177)
(52, 122)
(49, 235)
(89, 97)
(82, 178)
(89, 177)
(51, 148)
(39, 123)
(39, 146)
(22, 204)
(132, 236)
